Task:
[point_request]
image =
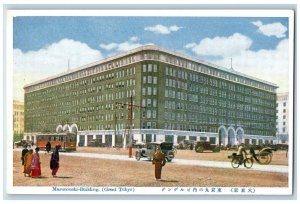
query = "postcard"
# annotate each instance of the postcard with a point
(149, 102)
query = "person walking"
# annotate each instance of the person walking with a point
(159, 161)
(36, 164)
(48, 147)
(54, 162)
(24, 152)
(27, 163)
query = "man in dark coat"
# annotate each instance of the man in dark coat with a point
(24, 151)
(54, 162)
(48, 147)
(159, 160)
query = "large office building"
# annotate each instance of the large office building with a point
(282, 112)
(174, 96)
(18, 117)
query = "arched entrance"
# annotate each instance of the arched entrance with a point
(222, 135)
(231, 136)
(239, 135)
(59, 129)
(74, 128)
(66, 128)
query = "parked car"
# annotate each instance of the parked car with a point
(202, 146)
(149, 150)
(186, 144)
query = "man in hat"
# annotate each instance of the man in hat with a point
(159, 161)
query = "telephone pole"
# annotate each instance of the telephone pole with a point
(130, 130)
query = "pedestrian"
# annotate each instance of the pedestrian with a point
(27, 163)
(48, 147)
(54, 162)
(24, 151)
(159, 160)
(36, 164)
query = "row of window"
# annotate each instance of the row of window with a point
(177, 105)
(84, 73)
(149, 68)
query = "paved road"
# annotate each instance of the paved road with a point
(257, 167)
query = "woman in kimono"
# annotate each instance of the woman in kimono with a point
(36, 164)
(54, 162)
(27, 162)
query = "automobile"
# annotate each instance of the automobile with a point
(94, 143)
(24, 143)
(149, 150)
(186, 144)
(202, 146)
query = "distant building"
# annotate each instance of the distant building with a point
(176, 97)
(282, 115)
(18, 117)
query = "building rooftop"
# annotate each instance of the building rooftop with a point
(150, 47)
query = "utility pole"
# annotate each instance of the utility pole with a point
(130, 130)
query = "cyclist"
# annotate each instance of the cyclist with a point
(241, 150)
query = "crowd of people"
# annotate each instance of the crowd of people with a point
(32, 163)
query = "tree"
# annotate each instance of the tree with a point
(18, 136)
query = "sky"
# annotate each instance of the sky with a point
(46, 45)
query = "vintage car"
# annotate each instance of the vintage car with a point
(202, 146)
(186, 144)
(149, 150)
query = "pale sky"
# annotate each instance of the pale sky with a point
(258, 46)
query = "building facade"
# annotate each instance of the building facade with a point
(18, 124)
(175, 97)
(282, 115)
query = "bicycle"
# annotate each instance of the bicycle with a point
(236, 161)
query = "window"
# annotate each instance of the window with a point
(144, 102)
(144, 68)
(283, 129)
(154, 80)
(148, 113)
(284, 104)
(143, 91)
(149, 79)
(149, 91)
(154, 68)
(154, 91)
(154, 114)
(154, 103)
(284, 117)
(149, 67)
(148, 102)
(144, 79)
(284, 110)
